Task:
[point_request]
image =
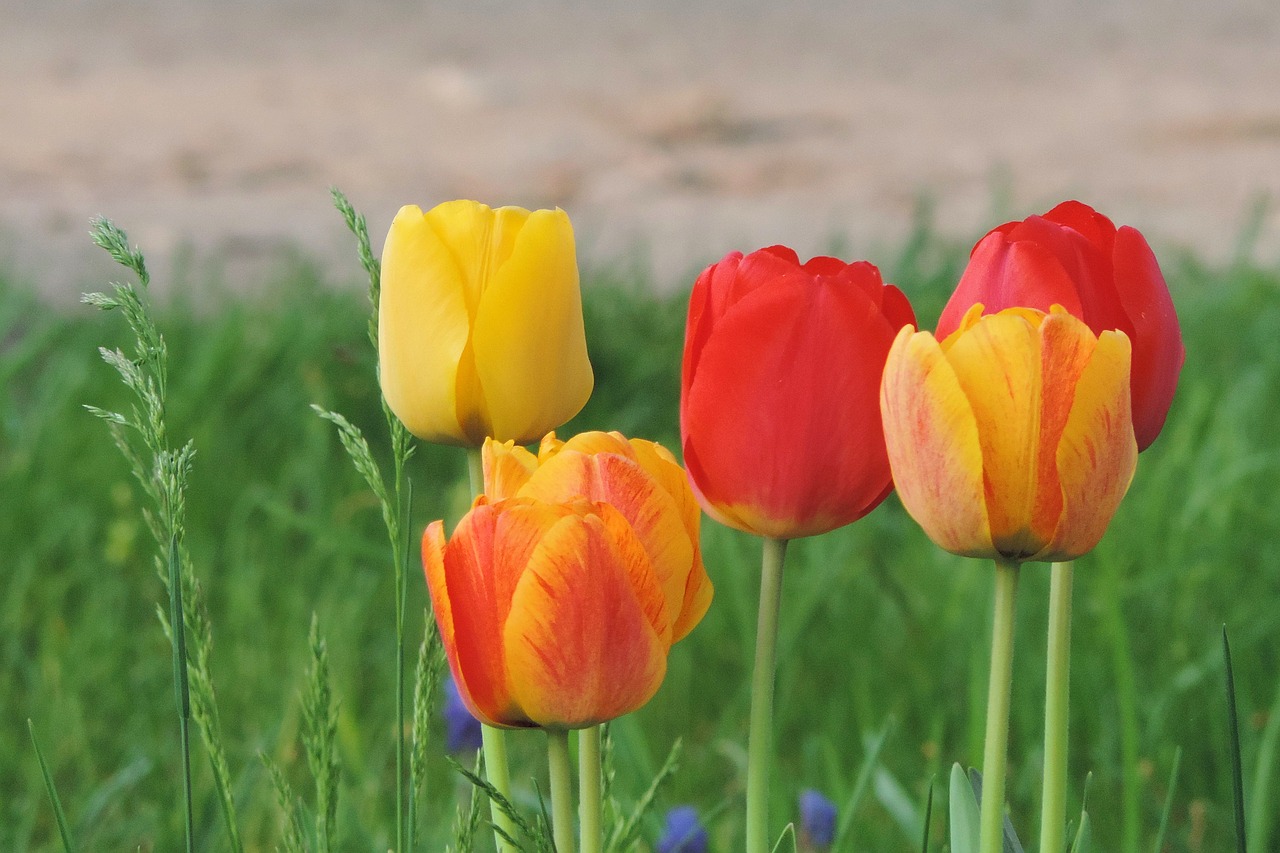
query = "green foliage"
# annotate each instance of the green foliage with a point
(875, 622)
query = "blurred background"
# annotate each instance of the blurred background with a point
(672, 131)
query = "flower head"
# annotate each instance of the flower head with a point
(683, 832)
(1075, 257)
(778, 406)
(559, 599)
(1011, 438)
(817, 820)
(480, 328)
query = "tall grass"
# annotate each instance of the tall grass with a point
(877, 624)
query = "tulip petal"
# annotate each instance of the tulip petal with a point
(648, 508)
(1098, 454)
(1006, 273)
(507, 467)
(579, 646)
(529, 342)
(483, 563)
(933, 445)
(423, 327)
(1158, 352)
(822, 465)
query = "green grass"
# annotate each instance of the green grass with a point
(877, 624)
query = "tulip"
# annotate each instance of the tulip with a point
(1075, 257)
(552, 614)
(778, 406)
(639, 478)
(1013, 437)
(480, 328)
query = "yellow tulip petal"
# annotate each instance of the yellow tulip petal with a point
(507, 467)
(998, 364)
(423, 328)
(579, 646)
(1098, 453)
(528, 338)
(933, 445)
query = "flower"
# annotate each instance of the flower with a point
(462, 731)
(639, 478)
(778, 415)
(480, 328)
(1075, 257)
(1013, 437)
(559, 597)
(683, 832)
(817, 820)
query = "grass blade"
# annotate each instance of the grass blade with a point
(928, 817)
(67, 844)
(1237, 773)
(860, 786)
(1168, 801)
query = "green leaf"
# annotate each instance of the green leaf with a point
(787, 838)
(67, 844)
(964, 813)
(1237, 771)
(928, 818)
(1084, 836)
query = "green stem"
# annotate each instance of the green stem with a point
(400, 549)
(561, 789)
(991, 821)
(1053, 814)
(589, 790)
(760, 735)
(496, 768)
(182, 691)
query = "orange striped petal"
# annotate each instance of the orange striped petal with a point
(646, 505)
(579, 646)
(660, 464)
(507, 467)
(483, 563)
(933, 444)
(1098, 453)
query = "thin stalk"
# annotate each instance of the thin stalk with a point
(991, 819)
(400, 549)
(760, 734)
(589, 790)
(496, 768)
(1053, 813)
(561, 789)
(182, 691)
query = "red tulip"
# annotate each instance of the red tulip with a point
(1075, 257)
(779, 402)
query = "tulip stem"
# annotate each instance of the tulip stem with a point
(589, 790)
(991, 820)
(561, 789)
(1053, 815)
(760, 735)
(494, 740)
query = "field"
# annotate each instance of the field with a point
(881, 631)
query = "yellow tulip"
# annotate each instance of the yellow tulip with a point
(1013, 437)
(480, 328)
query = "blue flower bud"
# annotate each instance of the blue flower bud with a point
(462, 731)
(684, 833)
(817, 820)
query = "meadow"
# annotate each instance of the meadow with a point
(884, 637)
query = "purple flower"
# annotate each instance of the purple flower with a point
(462, 731)
(684, 833)
(817, 820)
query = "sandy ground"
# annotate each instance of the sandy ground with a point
(671, 131)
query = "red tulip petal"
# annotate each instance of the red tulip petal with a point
(1158, 352)
(1092, 225)
(790, 380)
(579, 646)
(1003, 273)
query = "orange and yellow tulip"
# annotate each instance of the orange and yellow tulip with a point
(561, 592)
(480, 329)
(1012, 438)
